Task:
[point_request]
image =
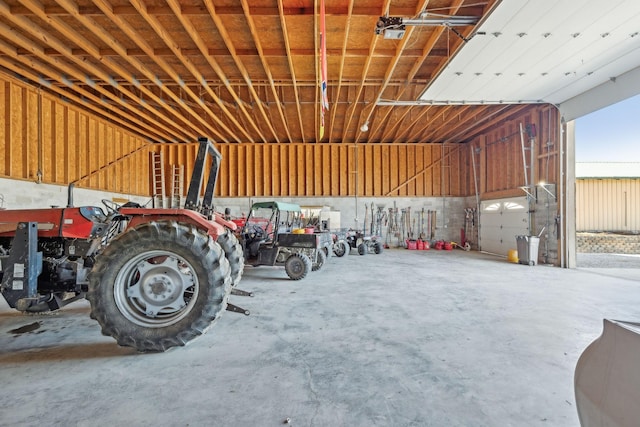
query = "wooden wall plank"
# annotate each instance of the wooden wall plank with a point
(303, 170)
(377, 170)
(419, 162)
(334, 155)
(344, 169)
(393, 167)
(369, 170)
(325, 171)
(402, 170)
(310, 169)
(411, 170)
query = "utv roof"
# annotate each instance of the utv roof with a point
(282, 206)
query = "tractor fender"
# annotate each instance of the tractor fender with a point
(219, 218)
(143, 215)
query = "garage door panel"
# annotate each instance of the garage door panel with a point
(501, 221)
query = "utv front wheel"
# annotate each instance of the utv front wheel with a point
(322, 258)
(297, 266)
(159, 285)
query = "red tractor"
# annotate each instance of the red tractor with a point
(155, 278)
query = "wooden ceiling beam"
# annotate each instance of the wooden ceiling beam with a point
(71, 7)
(418, 119)
(392, 66)
(83, 98)
(226, 37)
(365, 71)
(74, 37)
(345, 41)
(37, 33)
(456, 113)
(487, 120)
(193, 33)
(265, 65)
(426, 52)
(285, 35)
(88, 10)
(155, 24)
(397, 122)
(271, 52)
(471, 116)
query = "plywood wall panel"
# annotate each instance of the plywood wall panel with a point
(42, 133)
(75, 145)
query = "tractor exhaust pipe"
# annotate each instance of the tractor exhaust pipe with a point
(70, 195)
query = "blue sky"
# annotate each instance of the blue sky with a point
(611, 134)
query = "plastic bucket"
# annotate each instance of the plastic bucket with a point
(512, 256)
(412, 245)
(309, 230)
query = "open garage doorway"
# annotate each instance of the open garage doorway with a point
(607, 152)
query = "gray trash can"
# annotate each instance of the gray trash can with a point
(527, 249)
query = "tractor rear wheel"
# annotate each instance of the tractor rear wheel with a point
(233, 251)
(322, 258)
(297, 266)
(159, 285)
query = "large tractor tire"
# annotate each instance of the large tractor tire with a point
(233, 251)
(297, 266)
(159, 285)
(341, 248)
(322, 258)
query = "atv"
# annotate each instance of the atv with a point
(273, 234)
(364, 244)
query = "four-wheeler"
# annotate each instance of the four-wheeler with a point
(273, 235)
(364, 244)
(155, 278)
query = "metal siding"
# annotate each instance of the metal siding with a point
(608, 205)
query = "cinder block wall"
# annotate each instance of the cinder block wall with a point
(20, 194)
(608, 243)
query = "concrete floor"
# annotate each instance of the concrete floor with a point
(404, 338)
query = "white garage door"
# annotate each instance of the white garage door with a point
(501, 221)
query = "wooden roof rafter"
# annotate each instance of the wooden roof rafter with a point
(428, 48)
(155, 24)
(93, 106)
(285, 36)
(345, 41)
(92, 70)
(393, 64)
(103, 35)
(365, 71)
(394, 125)
(25, 25)
(238, 62)
(407, 129)
(256, 41)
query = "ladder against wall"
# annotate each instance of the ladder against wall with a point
(177, 185)
(157, 163)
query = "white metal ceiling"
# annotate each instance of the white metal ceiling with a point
(544, 51)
